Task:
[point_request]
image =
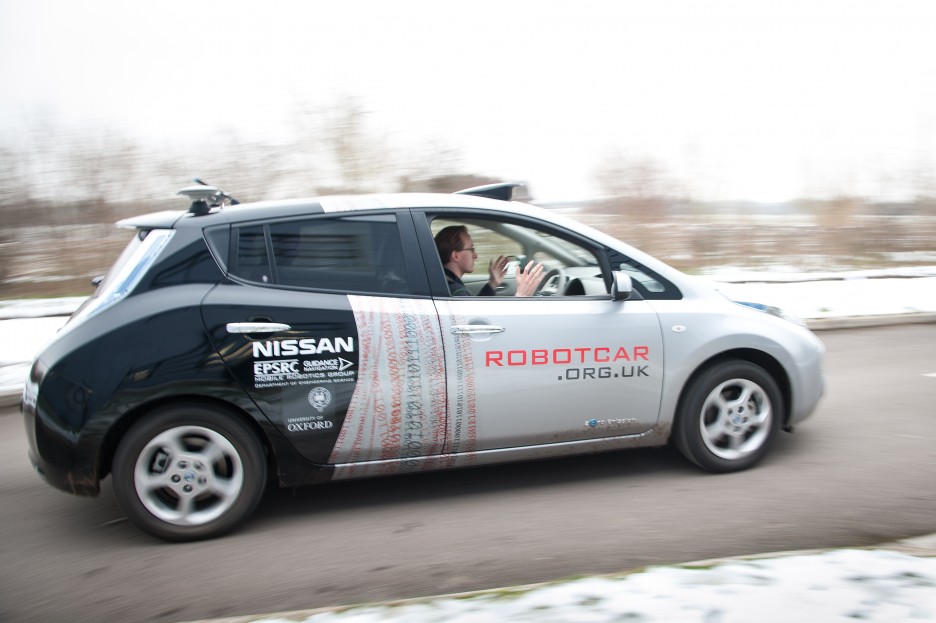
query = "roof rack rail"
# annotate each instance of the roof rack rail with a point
(502, 191)
(205, 197)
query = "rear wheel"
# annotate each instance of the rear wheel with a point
(188, 472)
(729, 416)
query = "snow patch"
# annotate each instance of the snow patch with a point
(841, 585)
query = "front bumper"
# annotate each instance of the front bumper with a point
(810, 384)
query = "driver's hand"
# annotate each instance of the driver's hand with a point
(497, 269)
(529, 279)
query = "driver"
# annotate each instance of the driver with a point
(457, 252)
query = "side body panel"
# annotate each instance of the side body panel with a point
(561, 370)
(706, 327)
(397, 413)
(302, 379)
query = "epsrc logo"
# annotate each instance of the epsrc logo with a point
(283, 366)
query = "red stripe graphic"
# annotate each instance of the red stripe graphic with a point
(397, 411)
(462, 433)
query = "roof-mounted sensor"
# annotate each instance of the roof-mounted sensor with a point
(502, 191)
(204, 198)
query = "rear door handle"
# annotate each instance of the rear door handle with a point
(476, 329)
(257, 327)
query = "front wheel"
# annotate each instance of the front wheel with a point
(188, 472)
(729, 416)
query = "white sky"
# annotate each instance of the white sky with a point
(764, 100)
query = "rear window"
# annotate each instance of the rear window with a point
(137, 258)
(348, 253)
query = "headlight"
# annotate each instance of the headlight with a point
(774, 311)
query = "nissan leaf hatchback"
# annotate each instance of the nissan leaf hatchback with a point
(297, 342)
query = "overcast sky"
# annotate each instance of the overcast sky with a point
(764, 100)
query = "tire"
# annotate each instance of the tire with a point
(729, 416)
(187, 472)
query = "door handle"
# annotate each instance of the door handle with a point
(257, 327)
(476, 329)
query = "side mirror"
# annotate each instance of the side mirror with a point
(97, 280)
(621, 286)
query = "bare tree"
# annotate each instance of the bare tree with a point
(640, 188)
(14, 193)
(359, 156)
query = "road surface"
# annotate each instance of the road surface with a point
(860, 471)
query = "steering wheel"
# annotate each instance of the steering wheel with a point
(553, 284)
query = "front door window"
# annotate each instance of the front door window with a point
(566, 365)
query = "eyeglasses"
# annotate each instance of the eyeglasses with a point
(472, 249)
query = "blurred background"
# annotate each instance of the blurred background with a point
(796, 136)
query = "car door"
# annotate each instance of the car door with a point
(548, 369)
(322, 326)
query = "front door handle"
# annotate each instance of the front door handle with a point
(257, 327)
(476, 329)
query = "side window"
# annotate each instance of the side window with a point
(250, 258)
(570, 269)
(345, 253)
(648, 283)
(488, 243)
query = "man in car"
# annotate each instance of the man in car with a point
(457, 252)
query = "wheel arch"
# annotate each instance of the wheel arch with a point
(128, 420)
(758, 357)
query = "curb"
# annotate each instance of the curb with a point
(861, 322)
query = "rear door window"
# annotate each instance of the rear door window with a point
(361, 253)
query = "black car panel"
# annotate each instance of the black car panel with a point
(280, 370)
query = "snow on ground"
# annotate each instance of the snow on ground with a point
(25, 326)
(813, 296)
(38, 308)
(21, 339)
(785, 274)
(841, 585)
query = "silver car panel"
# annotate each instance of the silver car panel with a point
(561, 370)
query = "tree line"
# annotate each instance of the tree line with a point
(55, 178)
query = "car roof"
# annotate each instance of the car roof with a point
(329, 204)
(326, 204)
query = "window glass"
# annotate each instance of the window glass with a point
(570, 268)
(640, 276)
(351, 253)
(139, 255)
(251, 260)
(649, 284)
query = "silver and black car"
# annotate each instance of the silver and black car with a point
(232, 347)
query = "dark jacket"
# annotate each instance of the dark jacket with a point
(458, 288)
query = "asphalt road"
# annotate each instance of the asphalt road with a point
(861, 471)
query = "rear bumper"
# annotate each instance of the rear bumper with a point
(52, 446)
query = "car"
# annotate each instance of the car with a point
(288, 343)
